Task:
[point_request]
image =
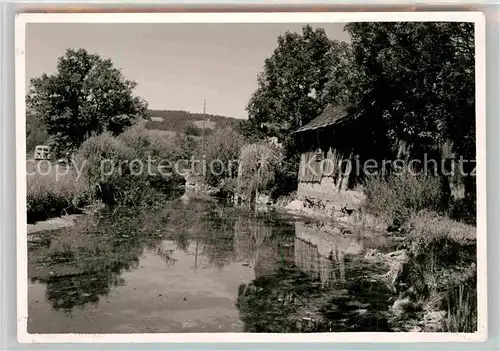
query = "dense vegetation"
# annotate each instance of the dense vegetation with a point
(117, 181)
(36, 132)
(421, 94)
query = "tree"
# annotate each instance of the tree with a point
(258, 164)
(344, 77)
(419, 78)
(419, 81)
(292, 90)
(36, 132)
(220, 150)
(193, 130)
(87, 95)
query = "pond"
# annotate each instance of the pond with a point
(201, 266)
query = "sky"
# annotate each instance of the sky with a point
(176, 66)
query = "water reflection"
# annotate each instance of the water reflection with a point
(80, 264)
(296, 285)
(301, 286)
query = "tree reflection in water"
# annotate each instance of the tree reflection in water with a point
(83, 263)
(311, 297)
(294, 290)
(80, 264)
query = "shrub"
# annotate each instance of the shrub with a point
(36, 133)
(286, 177)
(221, 150)
(464, 210)
(104, 161)
(158, 144)
(258, 165)
(440, 249)
(193, 130)
(188, 146)
(442, 268)
(47, 195)
(461, 307)
(228, 187)
(107, 164)
(397, 197)
(427, 226)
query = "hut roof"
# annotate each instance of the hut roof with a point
(330, 115)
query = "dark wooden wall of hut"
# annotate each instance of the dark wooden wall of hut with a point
(330, 150)
(360, 140)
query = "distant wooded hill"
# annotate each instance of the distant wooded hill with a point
(178, 121)
(165, 120)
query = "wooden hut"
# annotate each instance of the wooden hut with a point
(333, 147)
(336, 146)
(323, 154)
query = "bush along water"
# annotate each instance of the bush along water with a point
(49, 195)
(120, 180)
(106, 174)
(395, 198)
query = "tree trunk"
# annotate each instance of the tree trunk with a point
(253, 199)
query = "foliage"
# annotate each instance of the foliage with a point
(418, 82)
(221, 150)
(419, 77)
(119, 173)
(188, 146)
(87, 95)
(291, 88)
(250, 130)
(36, 133)
(441, 270)
(48, 194)
(153, 143)
(413, 81)
(343, 85)
(396, 197)
(228, 187)
(193, 130)
(294, 88)
(258, 164)
(462, 308)
(464, 210)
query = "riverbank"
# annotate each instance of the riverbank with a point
(431, 268)
(55, 189)
(428, 264)
(103, 273)
(53, 223)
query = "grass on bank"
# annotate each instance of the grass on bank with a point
(49, 195)
(462, 310)
(442, 251)
(396, 198)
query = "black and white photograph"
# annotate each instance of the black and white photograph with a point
(308, 177)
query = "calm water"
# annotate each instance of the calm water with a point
(200, 267)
